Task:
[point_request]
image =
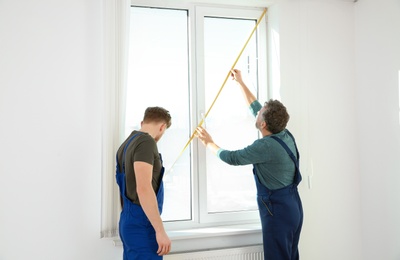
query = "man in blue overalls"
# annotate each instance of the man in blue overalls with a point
(139, 176)
(275, 160)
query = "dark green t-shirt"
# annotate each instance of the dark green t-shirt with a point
(143, 148)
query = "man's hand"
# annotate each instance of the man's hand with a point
(206, 139)
(203, 135)
(237, 75)
(164, 243)
(249, 97)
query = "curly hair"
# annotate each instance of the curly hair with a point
(157, 114)
(275, 115)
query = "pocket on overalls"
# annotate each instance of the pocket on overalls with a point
(265, 206)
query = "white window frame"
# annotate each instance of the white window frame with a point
(201, 12)
(203, 224)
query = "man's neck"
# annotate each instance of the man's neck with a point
(147, 129)
(265, 133)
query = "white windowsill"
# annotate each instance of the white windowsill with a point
(214, 231)
(198, 239)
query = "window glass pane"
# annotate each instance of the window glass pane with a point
(229, 188)
(158, 76)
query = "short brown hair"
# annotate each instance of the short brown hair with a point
(157, 114)
(275, 115)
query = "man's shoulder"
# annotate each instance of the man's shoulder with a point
(139, 136)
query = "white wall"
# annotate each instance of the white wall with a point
(377, 51)
(339, 76)
(317, 77)
(50, 135)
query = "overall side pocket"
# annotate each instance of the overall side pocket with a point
(265, 206)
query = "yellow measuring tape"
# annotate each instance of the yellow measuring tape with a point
(223, 84)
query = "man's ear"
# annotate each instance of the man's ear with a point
(264, 125)
(163, 127)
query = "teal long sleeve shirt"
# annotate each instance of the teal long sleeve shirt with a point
(274, 167)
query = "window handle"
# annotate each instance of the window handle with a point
(202, 116)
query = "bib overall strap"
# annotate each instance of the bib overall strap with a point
(297, 177)
(123, 155)
(295, 145)
(294, 159)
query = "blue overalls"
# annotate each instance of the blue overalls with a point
(281, 214)
(137, 234)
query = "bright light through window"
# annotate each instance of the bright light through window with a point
(158, 76)
(229, 188)
(181, 69)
